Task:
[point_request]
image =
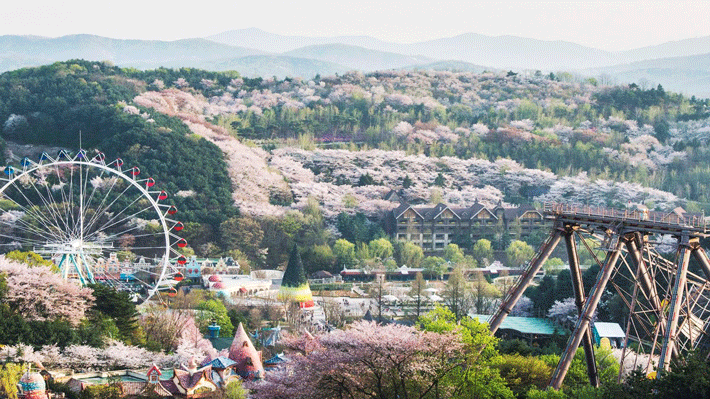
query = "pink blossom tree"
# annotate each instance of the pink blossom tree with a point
(193, 344)
(165, 327)
(366, 361)
(37, 293)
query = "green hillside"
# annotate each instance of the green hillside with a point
(50, 105)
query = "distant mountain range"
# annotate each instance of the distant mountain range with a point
(679, 66)
(495, 51)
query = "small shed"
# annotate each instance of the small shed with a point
(613, 331)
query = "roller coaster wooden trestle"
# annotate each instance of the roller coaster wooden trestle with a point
(668, 306)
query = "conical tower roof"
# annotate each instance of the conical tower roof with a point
(294, 286)
(368, 316)
(247, 358)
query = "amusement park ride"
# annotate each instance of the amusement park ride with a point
(668, 305)
(79, 210)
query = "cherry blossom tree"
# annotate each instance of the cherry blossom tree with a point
(193, 344)
(165, 326)
(37, 293)
(114, 355)
(365, 361)
(564, 312)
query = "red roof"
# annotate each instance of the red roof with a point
(215, 278)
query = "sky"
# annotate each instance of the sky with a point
(608, 25)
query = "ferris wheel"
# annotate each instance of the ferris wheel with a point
(96, 221)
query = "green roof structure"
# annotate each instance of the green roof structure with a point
(523, 325)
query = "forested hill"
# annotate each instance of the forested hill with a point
(50, 105)
(340, 143)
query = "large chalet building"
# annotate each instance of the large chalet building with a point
(433, 228)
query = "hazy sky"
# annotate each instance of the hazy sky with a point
(609, 25)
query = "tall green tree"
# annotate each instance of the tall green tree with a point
(453, 254)
(118, 306)
(214, 310)
(344, 252)
(456, 294)
(519, 252)
(381, 248)
(478, 378)
(483, 251)
(410, 254)
(417, 292)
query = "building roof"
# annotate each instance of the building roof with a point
(433, 213)
(276, 359)
(524, 325)
(398, 211)
(189, 380)
(220, 343)
(392, 195)
(609, 330)
(132, 388)
(322, 274)
(166, 388)
(221, 363)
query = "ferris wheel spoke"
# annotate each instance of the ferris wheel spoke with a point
(157, 235)
(34, 214)
(107, 226)
(72, 206)
(112, 222)
(100, 209)
(21, 240)
(87, 202)
(90, 226)
(55, 206)
(24, 226)
(29, 229)
(51, 206)
(118, 235)
(65, 199)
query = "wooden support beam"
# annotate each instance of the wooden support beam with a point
(677, 295)
(525, 280)
(579, 298)
(586, 317)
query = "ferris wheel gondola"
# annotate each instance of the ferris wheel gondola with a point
(97, 222)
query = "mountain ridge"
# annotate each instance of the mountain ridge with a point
(256, 52)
